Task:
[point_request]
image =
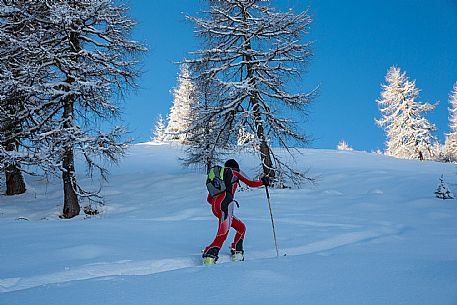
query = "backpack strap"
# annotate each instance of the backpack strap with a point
(228, 176)
(229, 180)
(237, 204)
(216, 171)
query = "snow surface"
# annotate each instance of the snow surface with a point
(369, 232)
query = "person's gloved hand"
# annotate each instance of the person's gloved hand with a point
(265, 180)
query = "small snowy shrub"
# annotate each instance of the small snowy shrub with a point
(443, 191)
(343, 145)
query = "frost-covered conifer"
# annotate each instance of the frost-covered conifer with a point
(443, 191)
(451, 138)
(84, 59)
(204, 143)
(409, 134)
(250, 53)
(343, 145)
(180, 117)
(159, 130)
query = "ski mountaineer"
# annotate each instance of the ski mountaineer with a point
(222, 207)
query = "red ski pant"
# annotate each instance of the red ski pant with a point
(223, 209)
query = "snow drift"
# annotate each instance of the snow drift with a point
(369, 232)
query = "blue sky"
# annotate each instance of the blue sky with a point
(355, 44)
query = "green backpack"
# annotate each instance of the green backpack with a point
(215, 180)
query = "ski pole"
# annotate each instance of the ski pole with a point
(272, 222)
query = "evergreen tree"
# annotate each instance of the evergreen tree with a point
(83, 60)
(343, 145)
(409, 134)
(159, 130)
(203, 140)
(451, 138)
(251, 51)
(443, 191)
(180, 117)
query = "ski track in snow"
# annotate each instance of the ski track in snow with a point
(148, 267)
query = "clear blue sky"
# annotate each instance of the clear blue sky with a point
(355, 44)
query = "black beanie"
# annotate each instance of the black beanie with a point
(232, 164)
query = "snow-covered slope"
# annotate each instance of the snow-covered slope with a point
(369, 232)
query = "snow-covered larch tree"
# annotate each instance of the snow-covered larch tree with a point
(18, 39)
(9, 127)
(450, 147)
(409, 133)
(180, 116)
(88, 61)
(250, 53)
(245, 137)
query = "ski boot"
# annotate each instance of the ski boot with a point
(237, 256)
(211, 256)
(208, 260)
(237, 251)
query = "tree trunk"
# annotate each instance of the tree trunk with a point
(71, 206)
(14, 180)
(265, 155)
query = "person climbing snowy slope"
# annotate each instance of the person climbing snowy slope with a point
(222, 207)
